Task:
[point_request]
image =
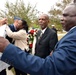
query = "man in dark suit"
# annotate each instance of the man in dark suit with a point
(61, 62)
(46, 38)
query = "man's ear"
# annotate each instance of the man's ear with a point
(74, 1)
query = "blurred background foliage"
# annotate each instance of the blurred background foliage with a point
(29, 13)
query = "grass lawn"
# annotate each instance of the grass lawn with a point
(61, 34)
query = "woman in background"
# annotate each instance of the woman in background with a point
(19, 38)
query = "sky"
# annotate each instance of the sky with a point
(41, 5)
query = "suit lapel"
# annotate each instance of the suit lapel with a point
(44, 35)
(70, 31)
(37, 37)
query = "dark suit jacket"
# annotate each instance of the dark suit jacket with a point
(62, 61)
(46, 43)
(13, 29)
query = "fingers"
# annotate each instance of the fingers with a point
(3, 21)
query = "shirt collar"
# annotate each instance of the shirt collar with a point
(43, 30)
(15, 27)
(72, 28)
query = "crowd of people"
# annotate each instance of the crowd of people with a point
(17, 34)
(51, 57)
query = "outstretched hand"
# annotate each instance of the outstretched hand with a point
(3, 43)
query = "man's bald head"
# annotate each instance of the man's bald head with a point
(46, 16)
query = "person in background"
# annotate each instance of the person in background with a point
(53, 27)
(46, 38)
(20, 38)
(13, 27)
(61, 62)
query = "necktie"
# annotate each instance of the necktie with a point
(40, 35)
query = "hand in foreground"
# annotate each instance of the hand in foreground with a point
(3, 21)
(3, 43)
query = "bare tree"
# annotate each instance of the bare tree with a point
(19, 9)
